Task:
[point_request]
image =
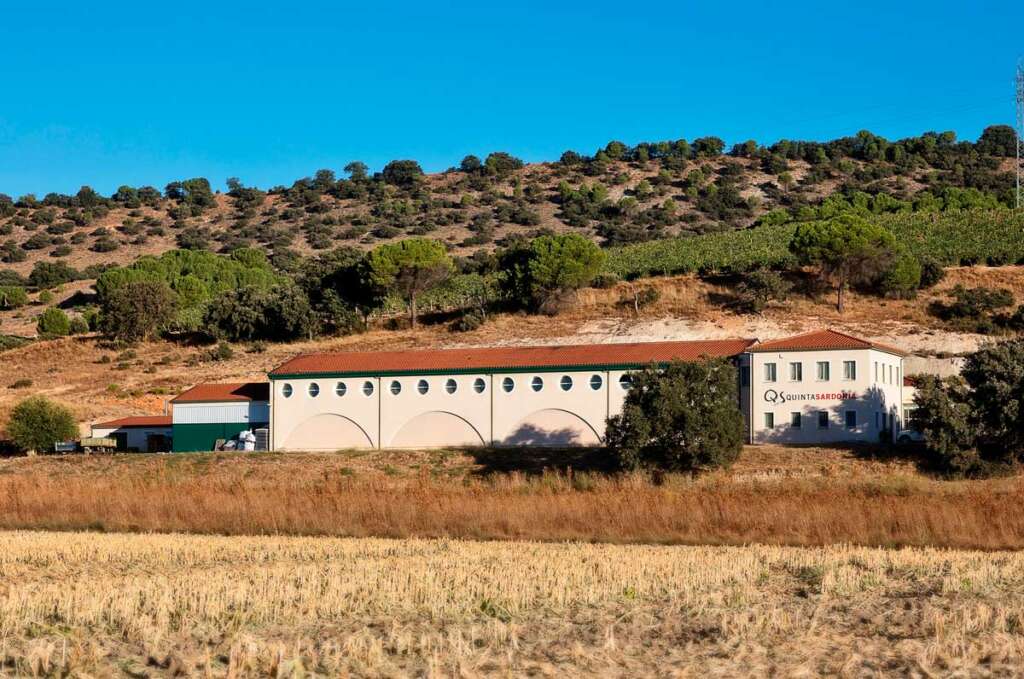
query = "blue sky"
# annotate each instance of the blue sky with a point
(145, 93)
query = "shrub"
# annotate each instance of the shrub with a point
(37, 423)
(250, 313)
(538, 275)
(46, 275)
(138, 310)
(23, 383)
(972, 309)
(53, 323)
(45, 297)
(12, 297)
(680, 418)
(903, 277)
(974, 424)
(932, 272)
(79, 326)
(759, 288)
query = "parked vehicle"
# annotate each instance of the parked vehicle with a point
(92, 444)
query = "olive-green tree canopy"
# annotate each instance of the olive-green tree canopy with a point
(409, 268)
(846, 249)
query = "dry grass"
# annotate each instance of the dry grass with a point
(102, 605)
(801, 501)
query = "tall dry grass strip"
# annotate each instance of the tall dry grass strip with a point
(879, 511)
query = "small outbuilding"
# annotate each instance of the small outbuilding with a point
(144, 434)
(209, 415)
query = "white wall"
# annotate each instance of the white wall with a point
(204, 413)
(409, 419)
(326, 421)
(870, 398)
(137, 437)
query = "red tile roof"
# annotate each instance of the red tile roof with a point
(817, 340)
(220, 393)
(502, 358)
(138, 421)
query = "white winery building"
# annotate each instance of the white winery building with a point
(818, 387)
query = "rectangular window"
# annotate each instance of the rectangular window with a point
(890, 374)
(899, 379)
(851, 419)
(824, 371)
(796, 372)
(849, 370)
(745, 376)
(876, 372)
(795, 420)
(822, 419)
(769, 372)
(769, 420)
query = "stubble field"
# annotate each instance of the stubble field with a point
(89, 604)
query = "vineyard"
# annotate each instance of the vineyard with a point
(954, 238)
(967, 237)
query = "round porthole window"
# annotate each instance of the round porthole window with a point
(422, 386)
(340, 389)
(286, 390)
(537, 384)
(479, 385)
(565, 383)
(314, 389)
(596, 382)
(626, 382)
(508, 384)
(368, 388)
(396, 387)
(451, 386)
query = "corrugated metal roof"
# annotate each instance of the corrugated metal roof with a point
(225, 393)
(137, 421)
(818, 340)
(508, 358)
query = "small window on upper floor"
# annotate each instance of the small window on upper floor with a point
(286, 390)
(770, 373)
(479, 385)
(508, 384)
(537, 383)
(423, 386)
(314, 389)
(451, 386)
(396, 387)
(596, 382)
(849, 370)
(368, 388)
(565, 383)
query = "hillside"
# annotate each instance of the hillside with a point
(99, 382)
(618, 195)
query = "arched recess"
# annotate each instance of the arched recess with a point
(327, 431)
(436, 429)
(552, 427)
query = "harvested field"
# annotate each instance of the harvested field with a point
(133, 605)
(779, 496)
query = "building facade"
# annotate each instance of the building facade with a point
(208, 414)
(144, 433)
(824, 387)
(538, 396)
(818, 387)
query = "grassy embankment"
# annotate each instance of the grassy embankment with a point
(775, 496)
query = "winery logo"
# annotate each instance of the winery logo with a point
(778, 397)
